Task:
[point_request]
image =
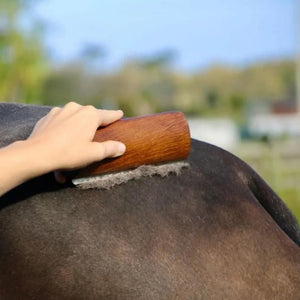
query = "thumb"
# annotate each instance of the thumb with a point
(107, 149)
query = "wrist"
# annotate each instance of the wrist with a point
(21, 161)
(32, 158)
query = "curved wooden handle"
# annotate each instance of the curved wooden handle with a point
(152, 139)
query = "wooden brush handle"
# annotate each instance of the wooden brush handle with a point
(152, 139)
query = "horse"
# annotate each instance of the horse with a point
(216, 231)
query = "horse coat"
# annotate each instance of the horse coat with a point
(217, 231)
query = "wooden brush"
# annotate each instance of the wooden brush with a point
(150, 140)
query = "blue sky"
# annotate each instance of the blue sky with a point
(201, 32)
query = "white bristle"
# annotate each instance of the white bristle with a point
(107, 181)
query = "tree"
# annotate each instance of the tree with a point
(22, 57)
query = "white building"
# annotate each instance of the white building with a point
(274, 125)
(220, 132)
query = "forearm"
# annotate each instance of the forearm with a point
(20, 162)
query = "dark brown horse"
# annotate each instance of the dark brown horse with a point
(217, 231)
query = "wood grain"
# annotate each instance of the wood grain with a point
(153, 139)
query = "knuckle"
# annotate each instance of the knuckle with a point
(90, 108)
(72, 104)
(54, 110)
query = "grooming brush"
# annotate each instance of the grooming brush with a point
(155, 145)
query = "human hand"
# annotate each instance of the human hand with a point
(63, 139)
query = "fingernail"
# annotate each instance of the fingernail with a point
(121, 148)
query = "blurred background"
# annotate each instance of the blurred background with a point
(230, 66)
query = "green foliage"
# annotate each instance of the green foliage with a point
(22, 60)
(149, 86)
(140, 86)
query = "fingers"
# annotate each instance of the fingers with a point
(98, 152)
(51, 114)
(75, 125)
(70, 108)
(54, 111)
(106, 149)
(67, 110)
(103, 116)
(109, 116)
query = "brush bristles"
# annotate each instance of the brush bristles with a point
(107, 181)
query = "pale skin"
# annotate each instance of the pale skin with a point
(61, 140)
